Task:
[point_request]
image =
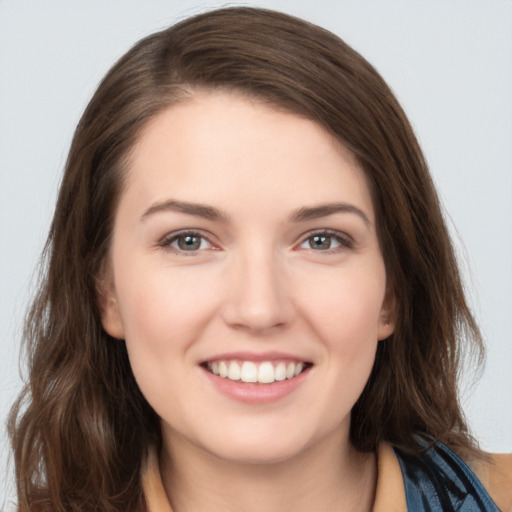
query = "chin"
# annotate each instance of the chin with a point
(254, 448)
(255, 454)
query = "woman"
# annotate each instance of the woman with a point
(251, 301)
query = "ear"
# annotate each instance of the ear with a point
(108, 307)
(387, 317)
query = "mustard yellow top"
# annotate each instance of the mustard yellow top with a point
(495, 475)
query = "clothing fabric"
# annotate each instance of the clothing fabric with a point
(437, 480)
(440, 480)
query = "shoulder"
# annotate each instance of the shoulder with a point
(442, 479)
(495, 473)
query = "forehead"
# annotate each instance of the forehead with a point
(227, 148)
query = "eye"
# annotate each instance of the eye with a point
(326, 241)
(186, 242)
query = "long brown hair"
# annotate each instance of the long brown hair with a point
(81, 426)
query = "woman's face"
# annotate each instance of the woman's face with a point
(247, 279)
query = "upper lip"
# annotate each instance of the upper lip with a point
(256, 357)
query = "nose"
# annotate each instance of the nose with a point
(258, 297)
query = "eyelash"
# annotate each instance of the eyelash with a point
(167, 241)
(345, 242)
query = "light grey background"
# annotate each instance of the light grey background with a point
(449, 62)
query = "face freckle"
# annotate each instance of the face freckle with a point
(248, 276)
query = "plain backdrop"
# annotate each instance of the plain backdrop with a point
(448, 61)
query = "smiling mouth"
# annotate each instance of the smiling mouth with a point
(265, 372)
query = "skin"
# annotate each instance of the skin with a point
(255, 282)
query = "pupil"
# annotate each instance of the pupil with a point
(189, 242)
(321, 242)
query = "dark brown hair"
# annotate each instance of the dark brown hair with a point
(81, 426)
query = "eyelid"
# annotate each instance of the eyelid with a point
(346, 241)
(166, 241)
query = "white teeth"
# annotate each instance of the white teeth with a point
(280, 372)
(249, 372)
(234, 371)
(264, 373)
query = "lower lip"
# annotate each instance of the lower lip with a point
(255, 393)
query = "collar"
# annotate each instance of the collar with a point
(495, 474)
(389, 497)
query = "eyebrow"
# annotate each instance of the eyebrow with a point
(213, 214)
(196, 209)
(316, 212)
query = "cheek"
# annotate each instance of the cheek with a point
(344, 310)
(163, 301)
(346, 304)
(163, 312)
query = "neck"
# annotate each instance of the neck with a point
(330, 476)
